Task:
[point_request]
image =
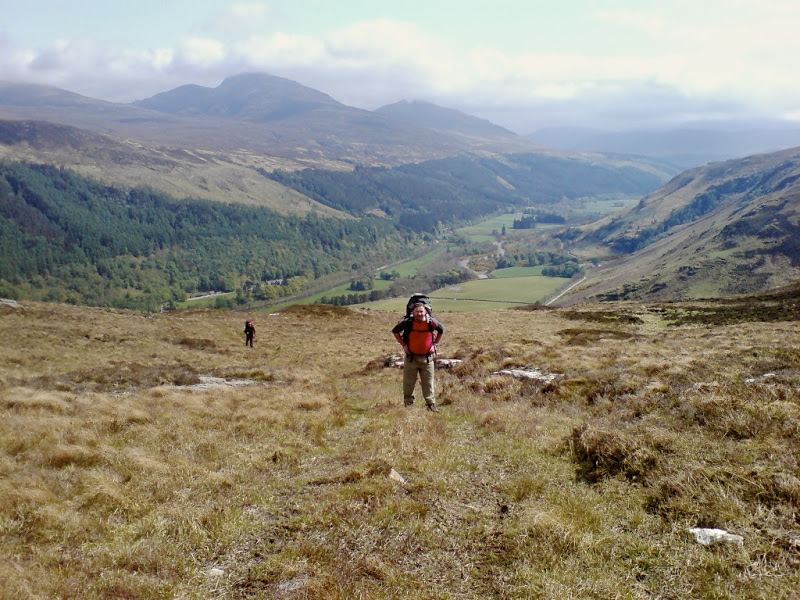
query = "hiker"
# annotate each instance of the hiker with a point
(418, 334)
(249, 332)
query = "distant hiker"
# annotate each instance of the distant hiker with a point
(249, 332)
(418, 333)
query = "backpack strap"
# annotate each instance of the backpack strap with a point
(408, 323)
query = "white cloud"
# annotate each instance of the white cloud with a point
(281, 49)
(239, 20)
(381, 40)
(660, 60)
(202, 53)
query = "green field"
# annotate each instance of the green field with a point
(511, 291)
(344, 289)
(409, 268)
(604, 205)
(518, 272)
(513, 286)
(483, 231)
(203, 302)
(482, 294)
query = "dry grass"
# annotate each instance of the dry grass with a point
(120, 480)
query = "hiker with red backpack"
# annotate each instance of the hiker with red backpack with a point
(418, 333)
(249, 332)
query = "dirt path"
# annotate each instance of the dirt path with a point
(482, 274)
(479, 274)
(581, 280)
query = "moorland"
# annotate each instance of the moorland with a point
(155, 456)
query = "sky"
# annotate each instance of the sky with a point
(522, 64)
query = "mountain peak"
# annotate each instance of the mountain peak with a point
(270, 85)
(247, 96)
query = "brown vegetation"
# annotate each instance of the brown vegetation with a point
(118, 479)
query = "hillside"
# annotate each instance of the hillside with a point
(459, 189)
(68, 238)
(727, 228)
(154, 456)
(426, 114)
(180, 172)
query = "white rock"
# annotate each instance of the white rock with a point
(396, 476)
(529, 374)
(394, 361)
(447, 363)
(208, 382)
(762, 378)
(706, 537)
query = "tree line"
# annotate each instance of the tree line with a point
(68, 238)
(400, 287)
(557, 265)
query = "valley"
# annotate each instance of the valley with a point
(409, 175)
(146, 452)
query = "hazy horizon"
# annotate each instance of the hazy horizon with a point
(607, 65)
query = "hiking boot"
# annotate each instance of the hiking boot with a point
(433, 408)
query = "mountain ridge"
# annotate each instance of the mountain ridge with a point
(724, 229)
(427, 114)
(206, 142)
(235, 117)
(249, 96)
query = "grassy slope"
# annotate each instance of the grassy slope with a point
(115, 482)
(183, 174)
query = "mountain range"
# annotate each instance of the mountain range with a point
(717, 229)
(210, 143)
(258, 114)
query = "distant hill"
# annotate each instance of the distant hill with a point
(426, 114)
(727, 228)
(249, 97)
(255, 113)
(684, 147)
(459, 189)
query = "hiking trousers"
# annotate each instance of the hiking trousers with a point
(422, 366)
